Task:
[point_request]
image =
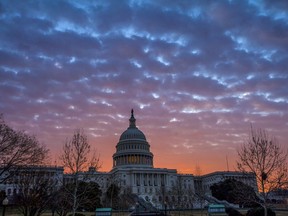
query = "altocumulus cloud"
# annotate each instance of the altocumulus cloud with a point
(197, 73)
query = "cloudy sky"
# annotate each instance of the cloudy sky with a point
(196, 73)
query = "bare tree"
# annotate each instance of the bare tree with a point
(198, 170)
(18, 149)
(126, 199)
(163, 194)
(77, 157)
(182, 195)
(264, 156)
(199, 190)
(61, 203)
(113, 190)
(36, 190)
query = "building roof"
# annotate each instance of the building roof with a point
(132, 131)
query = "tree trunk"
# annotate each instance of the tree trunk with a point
(74, 201)
(265, 210)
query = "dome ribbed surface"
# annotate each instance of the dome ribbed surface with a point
(132, 133)
(132, 148)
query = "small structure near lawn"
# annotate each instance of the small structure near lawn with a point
(103, 211)
(216, 209)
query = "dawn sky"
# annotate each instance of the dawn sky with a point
(196, 73)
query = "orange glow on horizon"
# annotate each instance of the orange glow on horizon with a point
(183, 160)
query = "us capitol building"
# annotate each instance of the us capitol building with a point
(133, 169)
(133, 165)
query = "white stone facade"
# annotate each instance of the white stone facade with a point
(133, 168)
(133, 164)
(13, 184)
(215, 177)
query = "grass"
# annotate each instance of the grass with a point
(13, 212)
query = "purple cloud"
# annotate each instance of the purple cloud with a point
(197, 73)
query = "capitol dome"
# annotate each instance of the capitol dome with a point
(132, 148)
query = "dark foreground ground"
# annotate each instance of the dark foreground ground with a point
(13, 212)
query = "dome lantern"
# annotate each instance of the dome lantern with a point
(132, 120)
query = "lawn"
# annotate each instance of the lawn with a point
(13, 212)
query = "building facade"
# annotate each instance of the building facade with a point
(21, 178)
(133, 169)
(133, 166)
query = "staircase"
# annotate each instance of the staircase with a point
(142, 207)
(214, 200)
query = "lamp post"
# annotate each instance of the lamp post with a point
(165, 206)
(4, 203)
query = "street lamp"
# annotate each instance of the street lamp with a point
(165, 205)
(4, 203)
